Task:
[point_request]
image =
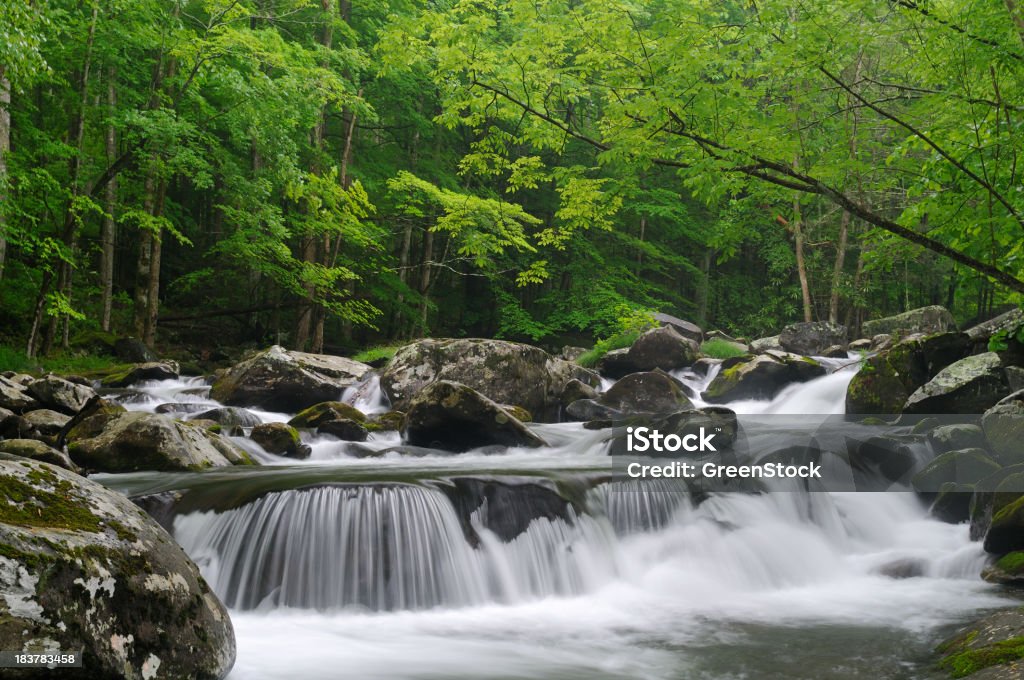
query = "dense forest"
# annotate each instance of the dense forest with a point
(336, 174)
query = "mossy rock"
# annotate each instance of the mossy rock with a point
(326, 411)
(966, 466)
(1007, 570)
(994, 642)
(279, 439)
(392, 420)
(37, 450)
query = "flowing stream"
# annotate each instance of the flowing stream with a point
(367, 568)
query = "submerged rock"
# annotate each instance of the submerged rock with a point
(510, 507)
(282, 380)
(933, 319)
(1007, 570)
(812, 337)
(81, 568)
(505, 372)
(454, 417)
(127, 442)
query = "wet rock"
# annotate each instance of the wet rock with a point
(662, 348)
(862, 345)
(60, 395)
(84, 569)
(1007, 570)
(37, 450)
(953, 503)
(881, 341)
(454, 417)
(812, 337)
(971, 385)
(881, 460)
(956, 436)
(510, 507)
(703, 366)
(687, 329)
(392, 420)
(575, 390)
(1004, 428)
(988, 649)
(570, 353)
(505, 372)
(283, 380)
(1006, 529)
(232, 418)
(128, 442)
(933, 319)
(325, 412)
(760, 377)
(280, 439)
(651, 392)
(901, 569)
(967, 466)
(344, 429)
(182, 408)
(835, 352)
(615, 363)
(167, 370)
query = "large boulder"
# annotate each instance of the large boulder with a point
(991, 648)
(812, 337)
(887, 379)
(14, 396)
(662, 348)
(281, 439)
(37, 450)
(325, 412)
(127, 442)
(60, 395)
(687, 329)
(760, 377)
(454, 417)
(233, 418)
(1006, 322)
(971, 385)
(762, 345)
(282, 380)
(83, 569)
(964, 467)
(505, 372)
(154, 370)
(927, 320)
(651, 392)
(1004, 428)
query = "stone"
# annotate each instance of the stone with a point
(966, 466)
(861, 345)
(233, 418)
(82, 568)
(45, 421)
(1007, 570)
(134, 350)
(762, 345)
(957, 436)
(454, 417)
(344, 429)
(280, 439)
(575, 390)
(649, 392)
(325, 412)
(835, 352)
(1004, 428)
(167, 370)
(687, 329)
(933, 319)
(282, 380)
(971, 385)
(504, 372)
(662, 348)
(988, 649)
(760, 377)
(60, 395)
(37, 450)
(128, 442)
(812, 337)
(14, 396)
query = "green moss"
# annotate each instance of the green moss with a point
(717, 348)
(967, 662)
(318, 414)
(590, 358)
(1012, 563)
(31, 505)
(29, 560)
(377, 354)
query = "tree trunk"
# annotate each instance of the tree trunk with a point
(155, 261)
(801, 267)
(5, 147)
(144, 260)
(1017, 14)
(428, 256)
(640, 250)
(109, 230)
(837, 272)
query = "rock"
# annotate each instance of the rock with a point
(134, 351)
(835, 352)
(570, 353)
(687, 329)
(1007, 570)
(905, 568)
(45, 421)
(282, 380)
(957, 436)
(128, 442)
(887, 379)
(140, 373)
(232, 418)
(280, 439)
(510, 507)
(662, 348)
(812, 337)
(505, 372)
(934, 319)
(60, 395)
(651, 392)
(392, 420)
(971, 385)
(1015, 378)
(1004, 428)
(575, 390)
(703, 366)
(862, 345)
(991, 495)
(14, 396)
(82, 568)
(760, 377)
(182, 408)
(967, 466)
(615, 363)
(881, 459)
(988, 649)
(455, 417)
(324, 412)
(1006, 530)
(1008, 321)
(762, 345)
(37, 450)
(953, 504)
(881, 341)
(344, 429)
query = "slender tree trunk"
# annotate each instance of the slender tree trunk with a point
(801, 267)
(705, 286)
(837, 271)
(640, 250)
(428, 256)
(144, 260)
(1017, 14)
(155, 261)
(108, 234)
(5, 147)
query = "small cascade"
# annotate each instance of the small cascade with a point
(147, 395)
(367, 396)
(634, 506)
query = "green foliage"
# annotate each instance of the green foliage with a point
(717, 348)
(375, 354)
(621, 340)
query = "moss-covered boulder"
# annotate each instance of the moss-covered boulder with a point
(127, 442)
(812, 337)
(37, 450)
(83, 569)
(345, 430)
(967, 466)
(392, 420)
(283, 380)
(324, 412)
(454, 417)
(1006, 530)
(991, 648)
(156, 370)
(1007, 570)
(971, 385)
(928, 320)
(761, 377)
(232, 418)
(281, 439)
(887, 379)
(956, 436)
(505, 372)
(60, 395)
(663, 348)
(1004, 428)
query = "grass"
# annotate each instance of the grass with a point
(379, 353)
(590, 358)
(12, 359)
(717, 348)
